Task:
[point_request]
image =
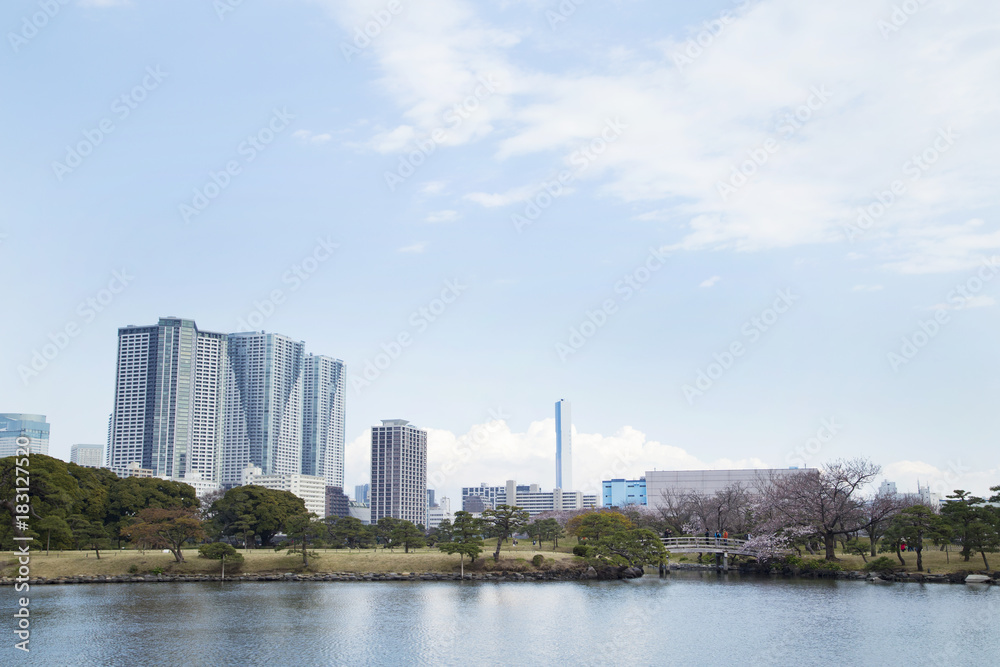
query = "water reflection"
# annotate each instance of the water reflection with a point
(697, 619)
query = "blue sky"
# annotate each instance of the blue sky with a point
(674, 172)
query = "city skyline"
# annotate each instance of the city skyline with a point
(196, 404)
(531, 209)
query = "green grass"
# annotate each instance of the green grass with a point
(259, 561)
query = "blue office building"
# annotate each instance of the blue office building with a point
(15, 425)
(621, 492)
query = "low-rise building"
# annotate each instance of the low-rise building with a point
(89, 456)
(677, 483)
(310, 488)
(360, 511)
(439, 512)
(132, 470)
(478, 498)
(202, 487)
(621, 492)
(528, 496)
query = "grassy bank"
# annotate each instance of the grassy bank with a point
(936, 562)
(264, 561)
(268, 561)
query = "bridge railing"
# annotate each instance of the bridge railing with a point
(707, 543)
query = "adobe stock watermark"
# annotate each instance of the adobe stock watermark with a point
(899, 17)
(86, 312)
(621, 466)
(752, 331)
(927, 330)
(21, 509)
(121, 108)
(914, 168)
(248, 150)
(223, 7)
(295, 277)
(581, 158)
(468, 446)
(757, 157)
(562, 12)
(32, 24)
(365, 34)
(951, 479)
(454, 117)
(419, 321)
(802, 454)
(705, 38)
(628, 286)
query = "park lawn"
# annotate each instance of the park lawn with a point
(935, 561)
(257, 561)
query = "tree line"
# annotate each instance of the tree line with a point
(817, 511)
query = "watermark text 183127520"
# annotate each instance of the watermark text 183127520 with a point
(22, 550)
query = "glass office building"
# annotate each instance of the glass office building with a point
(14, 425)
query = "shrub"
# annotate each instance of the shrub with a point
(133, 568)
(583, 550)
(538, 560)
(793, 561)
(880, 564)
(156, 570)
(218, 550)
(820, 566)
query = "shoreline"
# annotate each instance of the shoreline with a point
(543, 576)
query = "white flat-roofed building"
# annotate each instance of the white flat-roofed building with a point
(438, 513)
(488, 495)
(709, 482)
(310, 488)
(90, 456)
(202, 487)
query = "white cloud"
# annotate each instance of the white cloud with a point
(710, 282)
(433, 187)
(688, 128)
(513, 196)
(978, 301)
(491, 452)
(944, 480)
(415, 248)
(310, 137)
(442, 216)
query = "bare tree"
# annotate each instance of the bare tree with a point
(725, 510)
(879, 511)
(674, 509)
(830, 502)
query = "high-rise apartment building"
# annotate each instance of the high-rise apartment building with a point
(14, 425)
(564, 446)
(399, 472)
(198, 405)
(323, 421)
(91, 456)
(168, 399)
(264, 406)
